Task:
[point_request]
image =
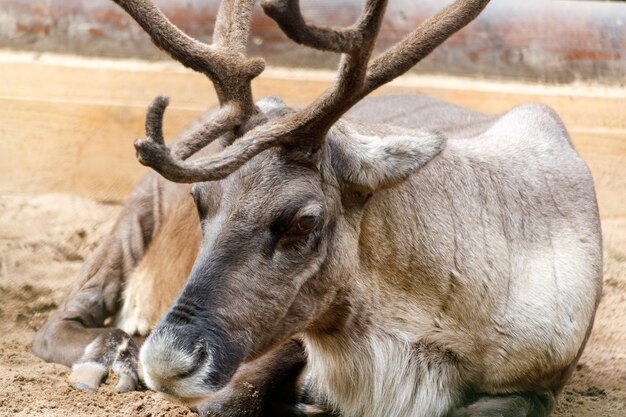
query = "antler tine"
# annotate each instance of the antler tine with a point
(224, 63)
(154, 119)
(355, 42)
(287, 15)
(422, 41)
(356, 78)
(215, 167)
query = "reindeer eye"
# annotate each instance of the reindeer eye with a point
(304, 225)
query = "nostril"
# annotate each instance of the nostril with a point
(187, 373)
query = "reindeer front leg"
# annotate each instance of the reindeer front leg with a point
(267, 386)
(76, 335)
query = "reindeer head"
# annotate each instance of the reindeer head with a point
(279, 205)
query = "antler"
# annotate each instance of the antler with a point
(356, 78)
(153, 152)
(224, 63)
(231, 72)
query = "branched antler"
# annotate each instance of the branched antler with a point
(154, 153)
(422, 41)
(356, 78)
(225, 63)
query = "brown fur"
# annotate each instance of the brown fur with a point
(164, 268)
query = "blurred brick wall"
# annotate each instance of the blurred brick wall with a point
(544, 40)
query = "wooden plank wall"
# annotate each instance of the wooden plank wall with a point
(67, 124)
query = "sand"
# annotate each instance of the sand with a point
(44, 239)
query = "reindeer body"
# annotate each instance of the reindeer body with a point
(459, 278)
(466, 274)
(432, 260)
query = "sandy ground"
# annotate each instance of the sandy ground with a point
(44, 239)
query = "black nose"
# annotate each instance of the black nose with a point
(170, 359)
(198, 343)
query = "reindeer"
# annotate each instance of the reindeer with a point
(397, 256)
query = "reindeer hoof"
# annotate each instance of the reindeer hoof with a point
(126, 383)
(111, 351)
(87, 376)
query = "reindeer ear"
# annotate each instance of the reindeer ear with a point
(369, 163)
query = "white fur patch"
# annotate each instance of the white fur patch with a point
(552, 301)
(379, 375)
(87, 375)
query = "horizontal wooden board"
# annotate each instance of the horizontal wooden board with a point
(70, 127)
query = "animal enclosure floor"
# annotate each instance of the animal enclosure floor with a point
(44, 239)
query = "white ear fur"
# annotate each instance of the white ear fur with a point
(372, 162)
